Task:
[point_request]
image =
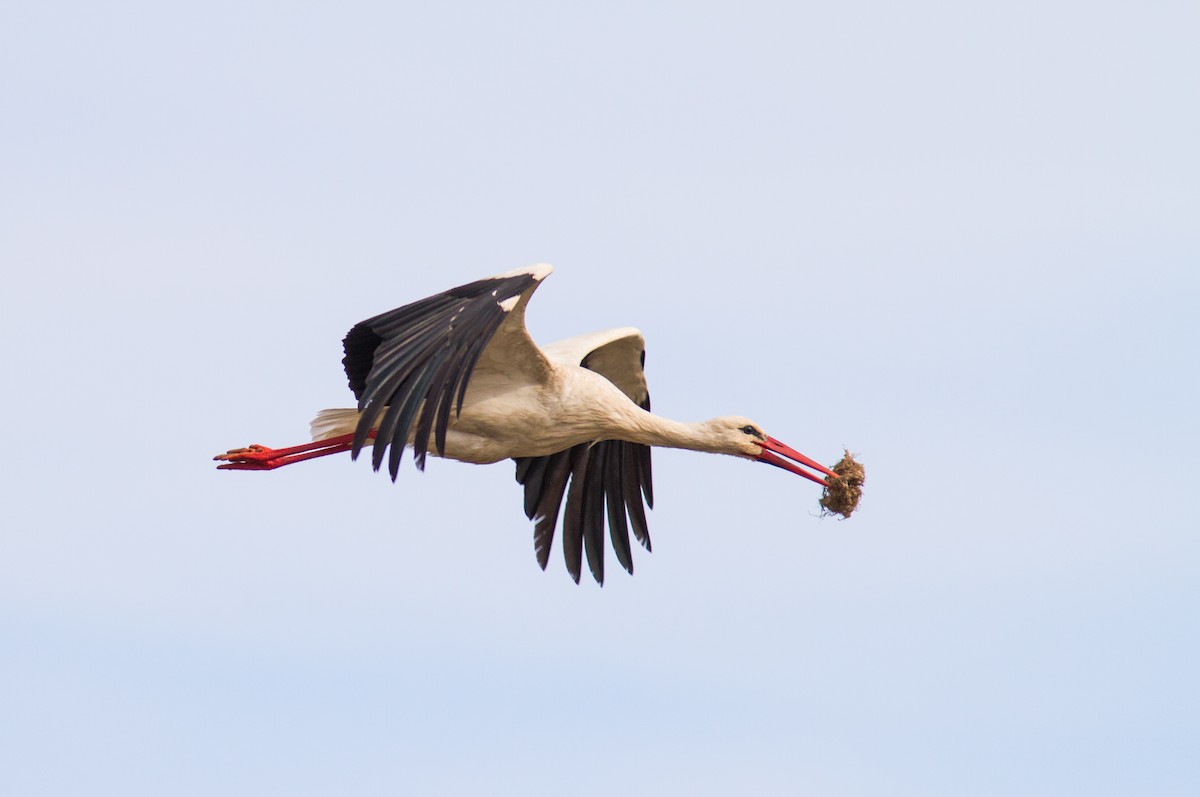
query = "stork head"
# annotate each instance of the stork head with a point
(744, 438)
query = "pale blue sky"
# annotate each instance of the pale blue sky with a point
(960, 239)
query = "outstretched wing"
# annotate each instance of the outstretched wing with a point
(612, 475)
(411, 365)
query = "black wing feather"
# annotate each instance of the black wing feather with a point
(549, 501)
(531, 472)
(631, 486)
(612, 475)
(573, 516)
(618, 528)
(593, 511)
(408, 365)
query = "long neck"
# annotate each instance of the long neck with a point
(653, 430)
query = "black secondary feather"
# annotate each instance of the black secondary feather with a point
(411, 365)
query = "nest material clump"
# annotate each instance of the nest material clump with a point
(841, 495)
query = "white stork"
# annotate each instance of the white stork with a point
(461, 366)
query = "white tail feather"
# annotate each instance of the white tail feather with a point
(331, 423)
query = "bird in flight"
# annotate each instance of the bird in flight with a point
(460, 368)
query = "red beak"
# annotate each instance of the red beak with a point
(772, 447)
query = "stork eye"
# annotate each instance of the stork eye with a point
(750, 430)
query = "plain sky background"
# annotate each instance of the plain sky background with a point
(961, 239)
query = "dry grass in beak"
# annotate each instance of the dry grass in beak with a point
(841, 495)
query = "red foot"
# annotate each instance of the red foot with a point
(252, 457)
(256, 457)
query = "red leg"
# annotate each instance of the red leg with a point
(256, 457)
(273, 460)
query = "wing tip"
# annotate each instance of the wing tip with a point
(539, 271)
